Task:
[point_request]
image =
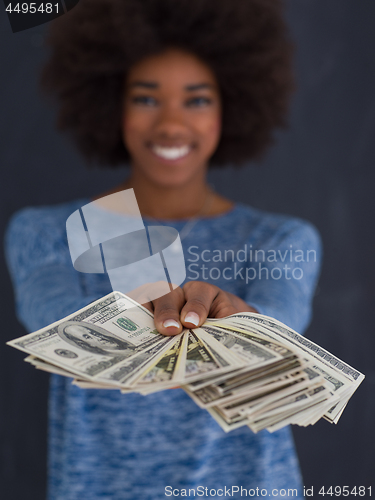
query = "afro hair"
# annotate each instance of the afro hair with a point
(244, 42)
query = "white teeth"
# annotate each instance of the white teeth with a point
(171, 153)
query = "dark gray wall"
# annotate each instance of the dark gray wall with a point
(321, 169)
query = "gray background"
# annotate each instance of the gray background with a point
(321, 169)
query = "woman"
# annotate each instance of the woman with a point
(170, 88)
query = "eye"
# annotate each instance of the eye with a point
(144, 100)
(86, 336)
(198, 102)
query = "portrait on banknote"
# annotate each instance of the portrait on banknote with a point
(92, 338)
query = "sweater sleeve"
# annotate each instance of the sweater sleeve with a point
(46, 286)
(287, 267)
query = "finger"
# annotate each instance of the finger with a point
(226, 304)
(167, 312)
(198, 297)
(149, 306)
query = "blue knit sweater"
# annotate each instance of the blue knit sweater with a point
(105, 445)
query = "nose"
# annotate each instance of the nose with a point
(171, 122)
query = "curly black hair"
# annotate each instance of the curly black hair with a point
(244, 42)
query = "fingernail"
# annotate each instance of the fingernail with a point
(193, 318)
(170, 322)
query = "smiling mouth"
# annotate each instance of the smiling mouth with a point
(171, 153)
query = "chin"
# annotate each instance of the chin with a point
(173, 181)
(171, 175)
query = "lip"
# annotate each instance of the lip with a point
(170, 152)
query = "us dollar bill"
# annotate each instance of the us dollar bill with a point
(246, 369)
(340, 378)
(166, 371)
(103, 341)
(254, 350)
(202, 360)
(277, 331)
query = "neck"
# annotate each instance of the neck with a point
(166, 202)
(182, 202)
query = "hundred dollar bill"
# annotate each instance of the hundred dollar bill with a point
(229, 363)
(238, 377)
(47, 367)
(193, 361)
(289, 400)
(244, 379)
(227, 427)
(233, 419)
(258, 396)
(85, 384)
(258, 352)
(252, 349)
(292, 410)
(340, 377)
(209, 396)
(246, 369)
(279, 332)
(101, 342)
(203, 360)
(165, 372)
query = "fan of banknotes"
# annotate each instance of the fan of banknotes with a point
(245, 369)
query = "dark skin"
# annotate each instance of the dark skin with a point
(171, 128)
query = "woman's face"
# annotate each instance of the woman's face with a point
(172, 117)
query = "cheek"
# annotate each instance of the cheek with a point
(215, 123)
(216, 128)
(213, 131)
(132, 131)
(131, 122)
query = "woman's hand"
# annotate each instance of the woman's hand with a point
(190, 305)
